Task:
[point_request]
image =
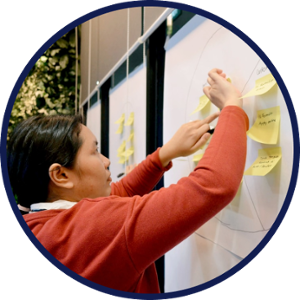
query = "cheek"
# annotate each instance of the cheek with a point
(98, 170)
(92, 170)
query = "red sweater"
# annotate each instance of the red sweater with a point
(115, 240)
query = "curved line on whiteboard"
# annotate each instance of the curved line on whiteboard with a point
(250, 75)
(188, 94)
(241, 230)
(254, 206)
(186, 104)
(205, 238)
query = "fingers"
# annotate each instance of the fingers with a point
(216, 70)
(207, 120)
(215, 75)
(206, 91)
(129, 168)
(201, 142)
(200, 131)
(212, 117)
(210, 81)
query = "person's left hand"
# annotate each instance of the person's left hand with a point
(187, 140)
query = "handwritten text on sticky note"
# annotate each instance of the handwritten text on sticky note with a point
(262, 85)
(266, 126)
(267, 159)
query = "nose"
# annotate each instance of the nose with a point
(106, 162)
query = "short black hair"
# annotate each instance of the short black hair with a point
(35, 144)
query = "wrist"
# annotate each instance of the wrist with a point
(236, 102)
(165, 155)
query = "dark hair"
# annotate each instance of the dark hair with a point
(33, 147)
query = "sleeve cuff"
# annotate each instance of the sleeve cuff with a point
(238, 110)
(157, 161)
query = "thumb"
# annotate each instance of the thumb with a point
(206, 91)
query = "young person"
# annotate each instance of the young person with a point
(112, 233)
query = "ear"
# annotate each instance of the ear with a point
(60, 176)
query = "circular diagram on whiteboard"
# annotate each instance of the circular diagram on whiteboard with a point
(201, 46)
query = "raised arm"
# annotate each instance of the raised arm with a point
(142, 179)
(162, 219)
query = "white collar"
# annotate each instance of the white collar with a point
(59, 204)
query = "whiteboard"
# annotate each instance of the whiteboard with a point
(234, 232)
(93, 120)
(129, 96)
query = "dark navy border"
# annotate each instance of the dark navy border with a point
(259, 52)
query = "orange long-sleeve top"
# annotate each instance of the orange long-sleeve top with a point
(114, 241)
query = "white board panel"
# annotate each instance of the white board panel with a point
(128, 97)
(93, 121)
(185, 273)
(190, 54)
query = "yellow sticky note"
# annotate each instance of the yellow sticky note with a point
(122, 160)
(131, 136)
(130, 119)
(265, 162)
(121, 149)
(262, 85)
(128, 152)
(197, 157)
(266, 126)
(120, 129)
(121, 120)
(203, 100)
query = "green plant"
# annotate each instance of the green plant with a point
(49, 88)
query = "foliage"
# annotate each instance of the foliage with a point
(49, 88)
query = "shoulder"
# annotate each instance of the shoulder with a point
(94, 216)
(42, 215)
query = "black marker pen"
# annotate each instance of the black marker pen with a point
(211, 130)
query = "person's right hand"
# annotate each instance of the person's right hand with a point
(221, 92)
(189, 138)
